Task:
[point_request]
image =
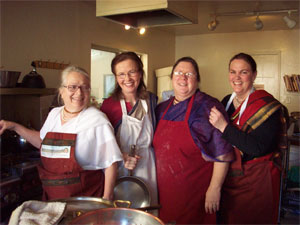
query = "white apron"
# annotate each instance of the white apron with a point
(140, 133)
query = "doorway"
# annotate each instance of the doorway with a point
(268, 72)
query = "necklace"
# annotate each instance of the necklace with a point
(63, 118)
(176, 101)
(72, 112)
(237, 100)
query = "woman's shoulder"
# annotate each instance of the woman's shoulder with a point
(109, 101)
(55, 111)
(206, 100)
(93, 111)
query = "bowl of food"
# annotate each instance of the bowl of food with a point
(9, 79)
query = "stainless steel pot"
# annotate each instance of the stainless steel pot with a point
(122, 216)
(8, 79)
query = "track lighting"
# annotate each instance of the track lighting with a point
(127, 27)
(213, 24)
(289, 22)
(258, 24)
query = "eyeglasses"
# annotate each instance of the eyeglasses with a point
(74, 88)
(131, 73)
(187, 74)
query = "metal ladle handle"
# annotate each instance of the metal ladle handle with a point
(131, 154)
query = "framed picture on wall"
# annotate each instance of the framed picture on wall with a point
(109, 84)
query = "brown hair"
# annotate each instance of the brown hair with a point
(190, 60)
(141, 90)
(247, 58)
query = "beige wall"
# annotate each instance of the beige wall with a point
(213, 52)
(64, 32)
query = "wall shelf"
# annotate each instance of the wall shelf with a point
(28, 91)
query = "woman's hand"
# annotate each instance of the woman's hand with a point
(32, 136)
(217, 119)
(130, 162)
(212, 200)
(6, 125)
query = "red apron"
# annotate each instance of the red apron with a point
(251, 190)
(183, 176)
(256, 182)
(61, 175)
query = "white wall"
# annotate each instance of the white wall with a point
(213, 52)
(64, 31)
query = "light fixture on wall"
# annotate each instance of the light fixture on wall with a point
(213, 24)
(289, 22)
(258, 24)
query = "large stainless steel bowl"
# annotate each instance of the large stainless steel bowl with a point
(8, 79)
(117, 216)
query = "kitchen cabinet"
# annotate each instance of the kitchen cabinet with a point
(27, 106)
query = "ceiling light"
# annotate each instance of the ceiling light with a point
(289, 22)
(213, 24)
(127, 27)
(258, 24)
(142, 30)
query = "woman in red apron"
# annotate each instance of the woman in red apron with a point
(191, 157)
(76, 142)
(251, 190)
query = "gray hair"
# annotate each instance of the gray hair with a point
(64, 75)
(70, 69)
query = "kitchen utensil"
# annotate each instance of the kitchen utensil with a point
(77, 206)
(117, 216)
(8, 79)
(133, 189)
(33, 79)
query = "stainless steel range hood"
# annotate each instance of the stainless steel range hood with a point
(148, 13)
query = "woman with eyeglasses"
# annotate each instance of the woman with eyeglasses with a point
(78, 149)
(191, 157)
(257, 130)
(130, 108)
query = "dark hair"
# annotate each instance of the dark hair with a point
(247, 58)
(190, 60)
(141, 90)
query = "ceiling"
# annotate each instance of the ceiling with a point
(237, 23)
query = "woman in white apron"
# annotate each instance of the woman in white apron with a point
(130, 109)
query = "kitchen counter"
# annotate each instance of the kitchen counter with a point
(28, 91)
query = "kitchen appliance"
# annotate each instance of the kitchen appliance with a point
(19, 176)
(140, 14)
(33, 79)
(8, 79)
